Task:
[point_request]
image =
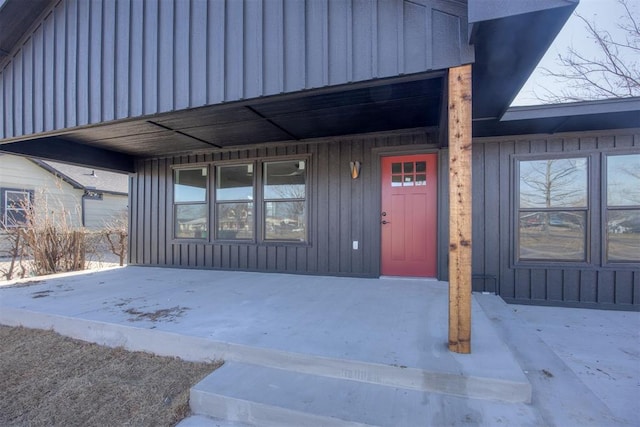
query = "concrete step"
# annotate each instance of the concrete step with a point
(490, 372)
(263, 396)
(204, 421)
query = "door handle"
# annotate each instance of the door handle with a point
(384, 214)
(384, 221)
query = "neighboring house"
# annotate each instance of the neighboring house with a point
(335, 137)
(86, 197)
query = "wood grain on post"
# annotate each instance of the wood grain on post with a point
(460, 209)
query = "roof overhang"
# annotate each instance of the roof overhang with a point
(606, 114)
(67, 149)
(510, 38)
(384, 105)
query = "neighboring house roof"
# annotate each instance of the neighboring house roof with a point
(621, 113)
(87, 178)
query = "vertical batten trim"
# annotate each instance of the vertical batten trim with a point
(325, 44)
(53, 70)
(349, 41)
(375, 70)
(429, 42)
(174, 64)
(400, 69)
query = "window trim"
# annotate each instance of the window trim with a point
(604, 214)
(258, 201)
(214, 211)
(515, 211)
(174, 204)
(263, 201)
(3, 207)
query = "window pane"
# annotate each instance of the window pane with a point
(396, 167)
(16, 217)
(235, 182)
(17, 199)
(285, 180)
(553, 183)
(554, 236)
(623, 180)
(191, 221)
(408, 167)
(421, 166)
(285, 221)
(190, 185)
(235, 221)
(16, 206)
(396, 180)
(623, 232)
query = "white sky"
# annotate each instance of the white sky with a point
(605, 13)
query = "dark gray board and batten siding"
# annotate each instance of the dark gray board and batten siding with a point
(595, 285)
(89, 62)
(340, 210)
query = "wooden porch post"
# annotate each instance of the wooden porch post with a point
(460, 209)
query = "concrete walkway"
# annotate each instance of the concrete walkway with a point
(308, 350)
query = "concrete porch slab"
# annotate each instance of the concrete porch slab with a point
(380, 331)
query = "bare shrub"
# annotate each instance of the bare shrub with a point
(53, 241)
(49, 239)
(116, 234)
(15, 251)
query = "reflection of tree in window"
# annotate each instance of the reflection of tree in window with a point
(190, 200)
(623, 208)
(553, 209)
(623, 180)
(285, 200)
(553, 183)
(234, 201)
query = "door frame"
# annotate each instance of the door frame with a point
(442, 232)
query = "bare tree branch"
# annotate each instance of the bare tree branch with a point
(614, 73)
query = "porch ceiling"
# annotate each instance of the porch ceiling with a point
(348, 110)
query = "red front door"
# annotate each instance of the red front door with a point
(408, 216)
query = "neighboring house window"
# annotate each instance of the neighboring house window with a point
(234, 202)
(190, 203)
(284, 192)
(15, 207)
(553, 209)
(623, 208)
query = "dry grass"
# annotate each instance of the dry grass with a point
(50, 380)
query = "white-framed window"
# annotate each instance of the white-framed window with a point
(191, 208)
(15, 206)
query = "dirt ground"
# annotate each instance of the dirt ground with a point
(50, 380)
